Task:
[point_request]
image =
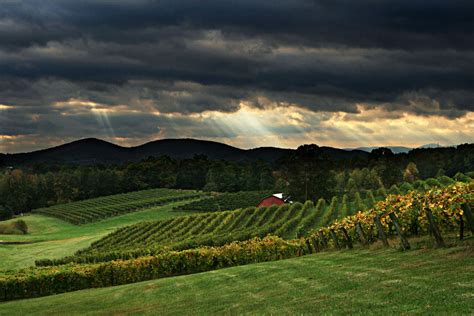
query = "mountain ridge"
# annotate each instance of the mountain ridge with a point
(94, 150)
(397, 149)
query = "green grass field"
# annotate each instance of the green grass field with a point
(54, 238)
(423, 281)
(366, 280)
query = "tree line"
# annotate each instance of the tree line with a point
(305, 174)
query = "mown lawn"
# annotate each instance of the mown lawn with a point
(423, 281)
(54, 238)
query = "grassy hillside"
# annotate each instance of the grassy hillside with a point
(216, 228)
(53, 238)
(97, 209)
(435, 209)
(422, 281)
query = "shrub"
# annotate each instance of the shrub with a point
(406, 187)
(394, 190)
(445, 180)
(421, 185)
(14, 228)
(461, 177)
(58, 279)
(382, 192)
(432, 182)
(21, 226)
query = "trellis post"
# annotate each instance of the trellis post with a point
(403, 241)
(308, 246)
(434, 228)
(324, 241)
(334, 238)
(347, 238)
(362, 235)
(381, 232)
(469, 217)
(316, 245)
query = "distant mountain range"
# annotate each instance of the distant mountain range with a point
(92, 150)
(396, 149)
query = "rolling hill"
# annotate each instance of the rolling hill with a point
(92, 150)
(362, 281)
(97, 266)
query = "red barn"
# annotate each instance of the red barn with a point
(275, 199)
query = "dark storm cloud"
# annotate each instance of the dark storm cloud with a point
(391, 24)
(193, 56)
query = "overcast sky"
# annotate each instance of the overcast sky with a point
(245, 72)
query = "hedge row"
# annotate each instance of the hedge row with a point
(36, 282)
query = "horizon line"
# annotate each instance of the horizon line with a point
(224, 143)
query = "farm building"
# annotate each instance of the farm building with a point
(275, 199)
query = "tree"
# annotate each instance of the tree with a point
(17, 192)
(266, 181)
(340, 181)
(351, 187)
(389, 172)
(344, 207)
(369, 196)
(308, 172)
(411, 173)
(5, 213)
(191, 173)
(222, 177)
(281, 184)
(386, 164)
(359, 205)
(381, 152)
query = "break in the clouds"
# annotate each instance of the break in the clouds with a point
(249, 73)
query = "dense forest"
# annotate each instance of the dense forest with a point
(307, 173)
